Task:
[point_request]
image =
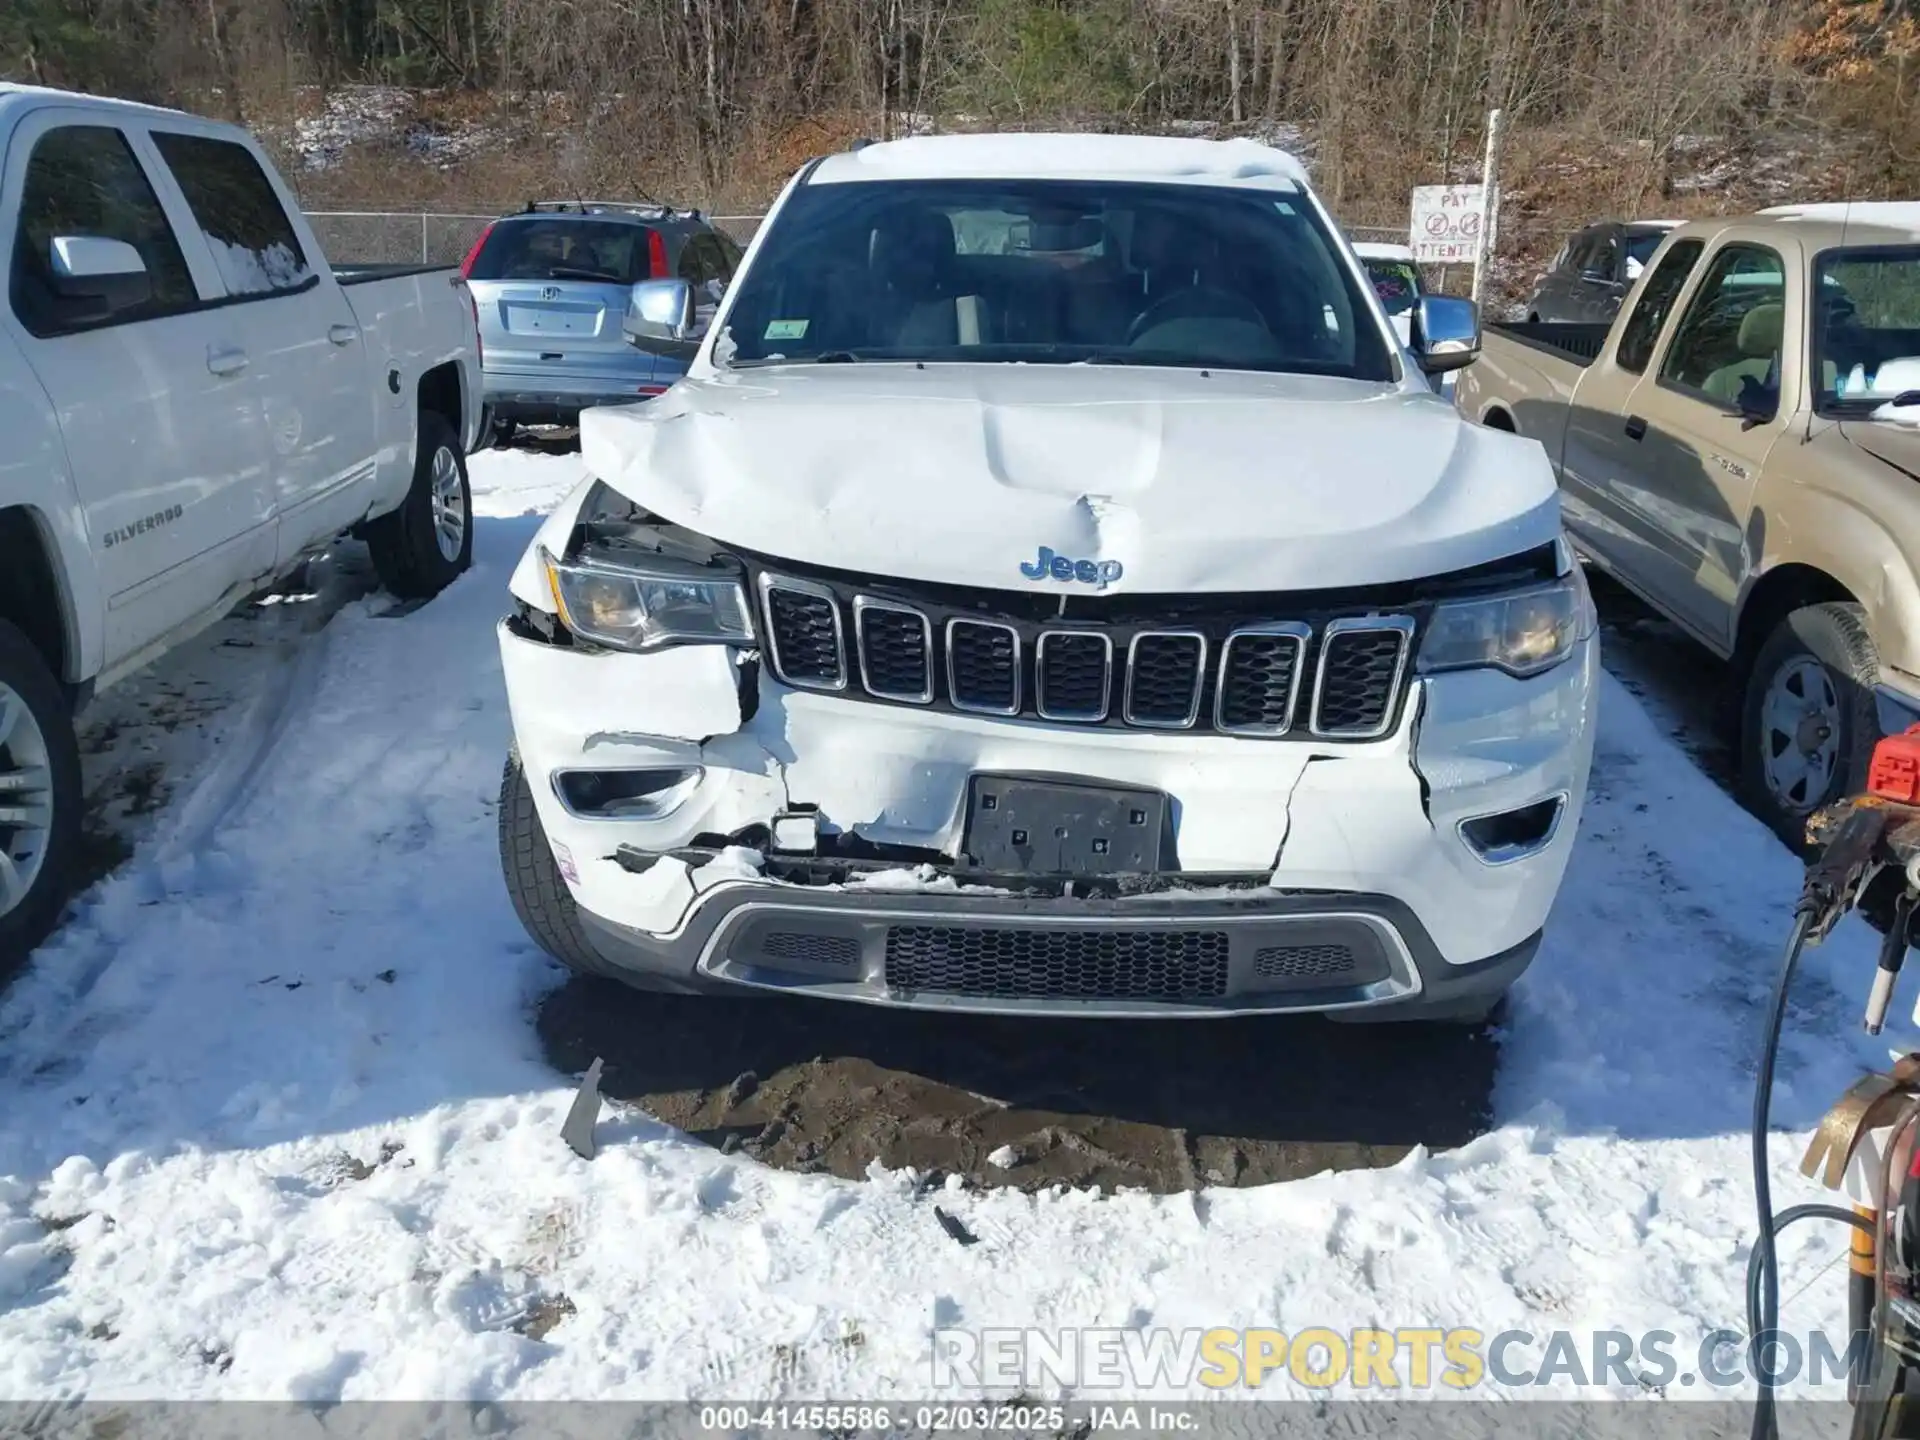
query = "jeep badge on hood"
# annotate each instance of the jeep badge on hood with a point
(1058, 567)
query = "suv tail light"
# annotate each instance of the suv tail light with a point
(656, 255)
(473, 304)
(466, 265)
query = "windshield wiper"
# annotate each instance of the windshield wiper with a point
(1132, 357)
(1866, 404)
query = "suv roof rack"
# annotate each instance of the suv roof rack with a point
(648, 208)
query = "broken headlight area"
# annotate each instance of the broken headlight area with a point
(849, 860)
(626, 582)
(1523, 632)
(644, 603)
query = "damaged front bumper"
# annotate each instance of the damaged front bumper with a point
(1339, 877)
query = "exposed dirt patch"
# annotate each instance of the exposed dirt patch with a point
(814, 1085)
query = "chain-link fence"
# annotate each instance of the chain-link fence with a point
(387, 237)
(393, 237)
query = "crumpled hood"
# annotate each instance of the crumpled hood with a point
(1190, 482)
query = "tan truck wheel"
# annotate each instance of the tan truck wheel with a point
(1808, 724)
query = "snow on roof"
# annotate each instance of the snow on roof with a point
(1372, 250)
(1658, 224)
(1068, 157)
(1884, 214)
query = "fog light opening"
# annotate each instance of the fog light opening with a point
(1510, 835)
(625, 794)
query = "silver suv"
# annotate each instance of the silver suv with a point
(551, 285)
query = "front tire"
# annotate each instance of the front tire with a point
(540, 896)
(427, 544)
(1808, 720)
(39, 798)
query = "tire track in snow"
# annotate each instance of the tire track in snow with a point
(37, 1036)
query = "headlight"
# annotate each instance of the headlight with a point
(1522, 633)
(643, 605)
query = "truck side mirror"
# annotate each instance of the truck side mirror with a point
(663, 318)
(96, 278)
(1446, 333)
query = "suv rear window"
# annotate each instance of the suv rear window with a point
(565, 248)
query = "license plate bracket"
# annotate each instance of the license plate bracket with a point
(1028, 825)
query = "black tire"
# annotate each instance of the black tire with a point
(539, 894)
(1834, 637)
(26, 922)
(406, 544)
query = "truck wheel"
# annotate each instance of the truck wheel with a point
(1808, 722)
(540, 897)
(426, 544)
(39, 798)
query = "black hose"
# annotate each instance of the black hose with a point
(1780, 1222)
(1763, 1307)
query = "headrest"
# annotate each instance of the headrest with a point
(911, 242)
(1161, 240)
(1760, 330)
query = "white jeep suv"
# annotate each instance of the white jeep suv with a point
(1053, 587)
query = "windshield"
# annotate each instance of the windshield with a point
(564, 249)
(1867, 338)
(1053, 272)
(1396, 282)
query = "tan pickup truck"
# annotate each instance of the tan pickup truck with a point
(1741, 447)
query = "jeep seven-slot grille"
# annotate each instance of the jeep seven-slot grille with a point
(1342, 677)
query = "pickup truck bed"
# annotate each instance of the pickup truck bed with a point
(1578, 343)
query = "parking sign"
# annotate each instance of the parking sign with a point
(1447, 223)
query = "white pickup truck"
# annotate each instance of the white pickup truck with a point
(191, 402)
(1053, 587)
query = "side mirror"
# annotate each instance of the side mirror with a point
(95, 277)
(662, 318)
(1446, 333)
(1756, 404)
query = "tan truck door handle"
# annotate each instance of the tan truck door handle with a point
(1636, 427)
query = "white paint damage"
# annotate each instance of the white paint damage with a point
(1194, 482)
(1380, 817)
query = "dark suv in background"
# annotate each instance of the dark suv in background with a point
(551, 285)
(1594, 270)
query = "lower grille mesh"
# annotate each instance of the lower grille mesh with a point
(1301, 961)
(1024, 963)
(811, 949)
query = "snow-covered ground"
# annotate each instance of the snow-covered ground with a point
(274, 1121)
